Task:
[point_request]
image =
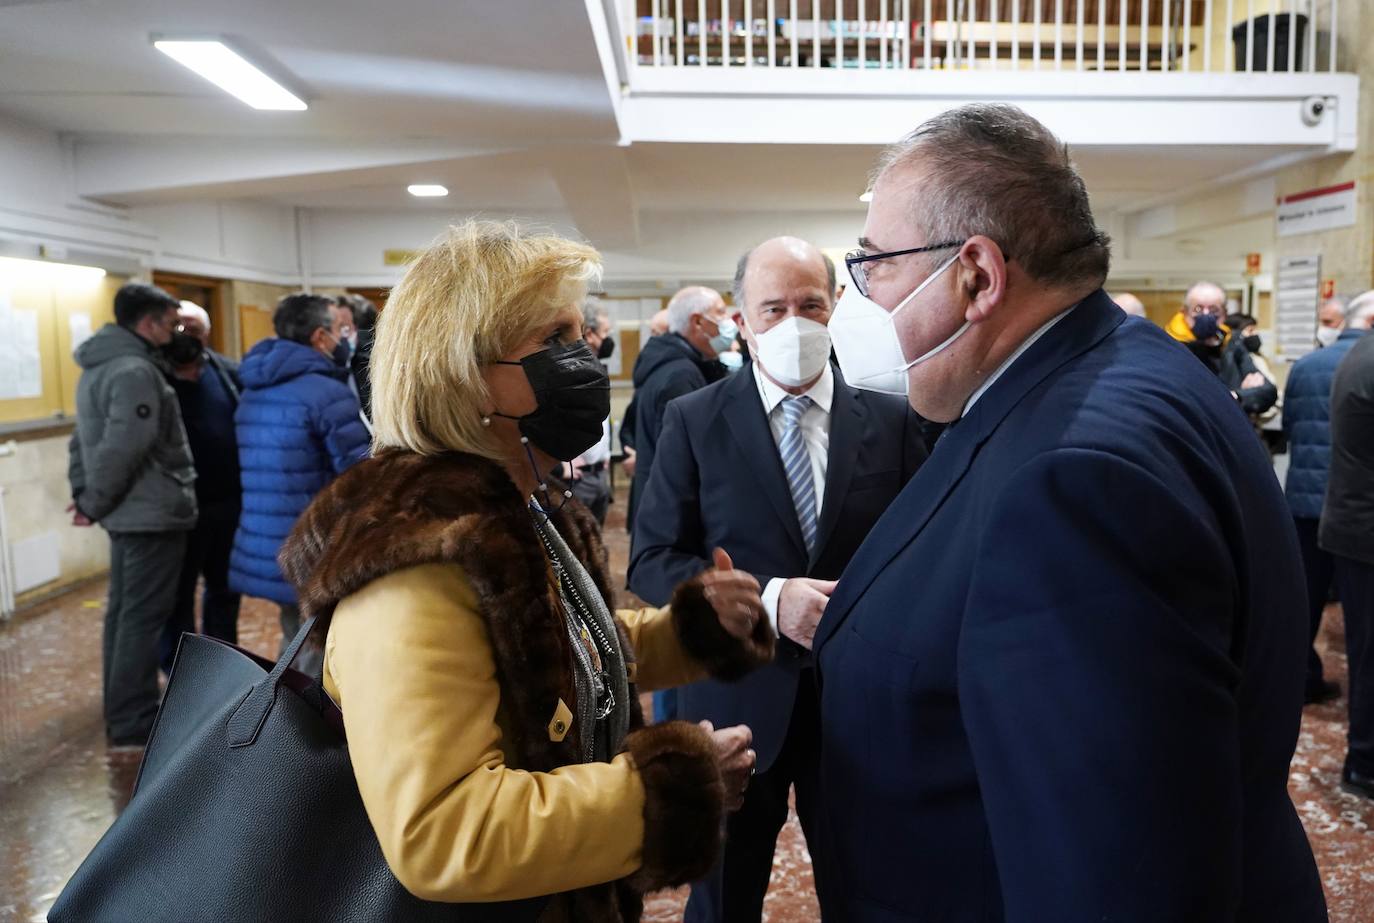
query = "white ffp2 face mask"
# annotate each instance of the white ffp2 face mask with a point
(866, 341)
(1328, 335)
(794, 351)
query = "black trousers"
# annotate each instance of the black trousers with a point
(1355, 585)
(1320, 569)
(144, 567)
(734, 891)
(208, 547)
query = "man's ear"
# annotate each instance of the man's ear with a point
(982, 277)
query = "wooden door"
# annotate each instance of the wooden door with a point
(204, 291)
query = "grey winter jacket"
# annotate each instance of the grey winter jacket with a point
(130, 465)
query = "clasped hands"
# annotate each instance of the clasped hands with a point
(735, 597)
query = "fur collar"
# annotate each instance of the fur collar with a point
(400, 510)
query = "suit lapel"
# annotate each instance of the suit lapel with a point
(902, 522)
(1083, 328)
(846, 430)
(744, 415)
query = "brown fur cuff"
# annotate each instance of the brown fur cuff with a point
(703, 637)
(684, 803)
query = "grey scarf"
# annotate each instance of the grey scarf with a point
(600, 738)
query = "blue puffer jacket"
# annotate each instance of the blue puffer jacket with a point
(1307, 423)
(298, 427)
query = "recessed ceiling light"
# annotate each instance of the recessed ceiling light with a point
(230, 71)
(427, 190)
(867, 196)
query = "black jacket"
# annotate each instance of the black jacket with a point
(1347, 526)
(719, 482)
(1232, 366)
(361, 366)
(667, 367)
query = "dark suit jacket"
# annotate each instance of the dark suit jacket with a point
(718, 481)
(1062, 679)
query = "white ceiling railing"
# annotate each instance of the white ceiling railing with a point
(1153, 36)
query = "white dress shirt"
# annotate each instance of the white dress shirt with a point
(600, 452)
(815, 428)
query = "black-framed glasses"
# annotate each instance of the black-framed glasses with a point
(855, 261)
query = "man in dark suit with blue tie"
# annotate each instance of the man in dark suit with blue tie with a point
(1062, 678)
(785, 467)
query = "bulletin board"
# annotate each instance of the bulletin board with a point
(630, 321)
(43, 317)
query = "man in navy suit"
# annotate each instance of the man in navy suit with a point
(786, 467)
(1062, 678)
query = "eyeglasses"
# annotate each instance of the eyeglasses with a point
(856, 261)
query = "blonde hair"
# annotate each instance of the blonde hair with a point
(477, 292)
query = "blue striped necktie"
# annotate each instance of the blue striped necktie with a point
(796, 462)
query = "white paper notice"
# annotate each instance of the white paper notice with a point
(1295, 310)
(80, 325)
(21, 363)
(30, 382)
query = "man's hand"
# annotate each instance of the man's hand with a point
(734, 594)
(800, 607)
(628, 464)
(78, 518)
(1253, 380)
(736, 760)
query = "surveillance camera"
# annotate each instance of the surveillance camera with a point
(1313, 108)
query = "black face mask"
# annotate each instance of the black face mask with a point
(606, 349)
(1252, 342)
(573, 396)
(184, 349)
(341, 354)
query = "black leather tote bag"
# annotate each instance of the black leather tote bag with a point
(246, 809)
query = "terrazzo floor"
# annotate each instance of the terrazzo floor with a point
(60, 787)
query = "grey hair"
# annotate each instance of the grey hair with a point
(300, 314)
(993, 170)
(196, 311)
(1360, 307)
(593, 309)
(741, 267)
(1339, 301)
(364, 311)
(688, 303)
(1202, 283)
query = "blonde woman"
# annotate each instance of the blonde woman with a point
(488, 686)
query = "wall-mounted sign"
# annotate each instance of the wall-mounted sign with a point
(1328, 288)
(1252, 264)
(1317, 210)
(399, 257)
(1295, 305)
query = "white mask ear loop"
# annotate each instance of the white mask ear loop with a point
(939, 349)
(907, 300)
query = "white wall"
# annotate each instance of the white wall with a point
(345, 248)
(239, 240)
(39, 208)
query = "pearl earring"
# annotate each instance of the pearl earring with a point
(486, 421)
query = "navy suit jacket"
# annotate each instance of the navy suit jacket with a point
(717, 481)
(1062, 679)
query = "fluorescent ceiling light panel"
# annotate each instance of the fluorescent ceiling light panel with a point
(230, 71)
(14, 270)
(427, 190)
(867, 196)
